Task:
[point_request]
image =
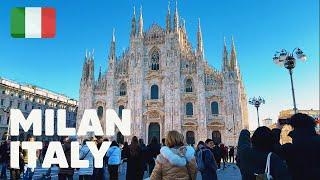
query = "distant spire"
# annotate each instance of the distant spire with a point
(99, 77)
(168, 19)
(140, 23)
(199, 37)
(113, 35)
(133, 23)
(225, 56)
(86, 53)
(176, 18)
(233, 57)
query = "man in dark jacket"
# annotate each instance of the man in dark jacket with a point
(209, 173)
(66, 173)
(253, 158)
(217, 153)
(302, 155)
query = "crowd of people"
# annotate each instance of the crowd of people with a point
(260, 156)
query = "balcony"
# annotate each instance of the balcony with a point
(153, 103)
(215, 120)
(122, 99)
(189, 96)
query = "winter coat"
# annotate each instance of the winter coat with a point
(85, 154)
(114, 155)
(302, 156)
(217, 153)
(210, 172)
(253, 160)
(135, 166)
(175, 163)
(67, 151)
(153, 151)
(4, 153)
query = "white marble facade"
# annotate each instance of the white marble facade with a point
(168, 85)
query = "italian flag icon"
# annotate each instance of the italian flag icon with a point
(33, 22)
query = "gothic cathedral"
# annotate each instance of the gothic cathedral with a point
(168, 86)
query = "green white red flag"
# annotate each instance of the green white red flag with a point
(33, 22)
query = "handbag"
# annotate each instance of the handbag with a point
(266, 175)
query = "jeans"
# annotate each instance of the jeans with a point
(86, 177)
(4, 169)
(28, 173)
(113, 171)
(65, 177)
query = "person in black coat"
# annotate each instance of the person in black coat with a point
(67, 173)
(153, 149)
(135, 161)
(217, 153)
(302, 155)
(253, 157)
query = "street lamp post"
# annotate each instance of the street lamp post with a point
(288, 60)
(257, 102)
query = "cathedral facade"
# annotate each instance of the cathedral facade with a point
(168, 85)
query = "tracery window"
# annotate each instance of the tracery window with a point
(214, 108)
(123, 89)
(188, 85)
(155, 56)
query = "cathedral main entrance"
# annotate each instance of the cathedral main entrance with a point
(154, 130)
(216, 137)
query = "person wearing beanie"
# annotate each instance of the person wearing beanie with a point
(252, 155)
(302, 155)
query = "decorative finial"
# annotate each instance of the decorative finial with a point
(86, 53)
(113, 35)
(134, 11)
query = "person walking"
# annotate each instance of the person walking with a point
(302, 155)
(85, 154)
(134, 166)
(205, 160)
(153, 150)
(143, 148)
(99, 172)
(175, 161)
(4, 158)
(253, 158)
(66, 173)
(114, 160)
(217, 153)
(224, 152)
(231, 154)
(28, 171)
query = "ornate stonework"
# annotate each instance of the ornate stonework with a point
(168, 85)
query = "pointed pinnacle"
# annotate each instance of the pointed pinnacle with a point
(134, 11)
(113, 35)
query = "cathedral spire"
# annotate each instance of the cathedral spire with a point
(225, 56)
(140, 23)
(233, 57)
(133, 23)
(100, 76)
(199, 37)
(176, 18)
(168, 19)
(112, 52)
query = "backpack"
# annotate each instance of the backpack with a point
(200, 160)
(266, 175)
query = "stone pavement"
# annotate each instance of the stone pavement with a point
(231, 172)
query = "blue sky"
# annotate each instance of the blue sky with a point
(259, 29)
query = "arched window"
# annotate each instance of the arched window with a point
(154, 92)
(100, 112)
(190, 138)
(123, 89)
(155, 56)
(188, 85)
(214, 108)
(189, 109)
(121, 107)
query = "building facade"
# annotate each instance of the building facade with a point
(285, 128)
(168, 85)
(26, 97)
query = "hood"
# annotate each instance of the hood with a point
(176, 156)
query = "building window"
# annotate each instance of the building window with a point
(26, 107)
(189, 85)
(121, 107)
(3, 92)
(123, 89)
(214, 108)
(19, 95)
(2, 102)
(18, 106)
(189, 109)
(155, 60)
(100, 112)
(154, 92)
(10, 104)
